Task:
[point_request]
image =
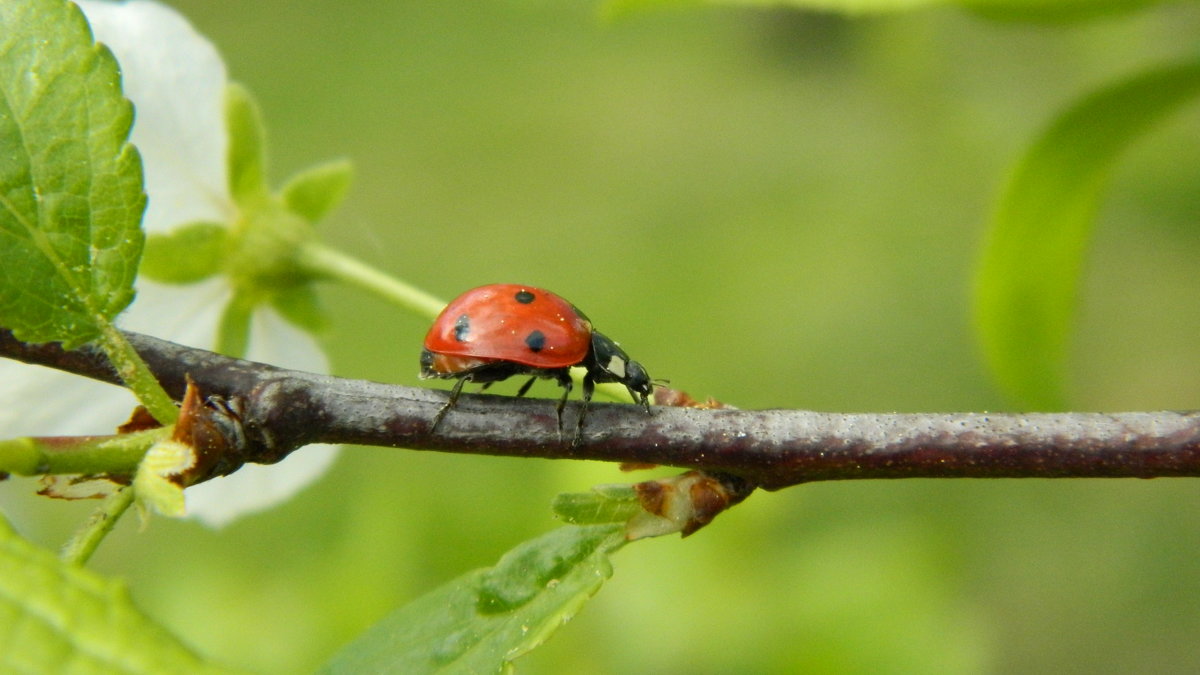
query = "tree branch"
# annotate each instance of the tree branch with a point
(271, 412)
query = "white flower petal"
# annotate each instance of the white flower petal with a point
(273, 340)
(188, 315)
(36, 401)
(256, 487)
(176, 80)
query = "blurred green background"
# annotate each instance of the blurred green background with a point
(777, 209)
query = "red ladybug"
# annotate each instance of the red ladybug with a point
(493, 332)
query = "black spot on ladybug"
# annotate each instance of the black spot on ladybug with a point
(524, 297)
(462, 328)
(536, 341)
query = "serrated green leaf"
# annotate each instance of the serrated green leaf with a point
(482, 621)
(247, 151)
(301, 307)
(314, 192)
(1027, 280)
(71, 198)
(187, 254)
(56, 617)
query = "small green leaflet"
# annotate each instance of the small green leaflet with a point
(603, 504)
(314, 192)
(482, 621)
(1025, 293)
(56, 617)
(247, 147)
(71, 198)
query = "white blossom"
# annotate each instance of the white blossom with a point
(176, 80)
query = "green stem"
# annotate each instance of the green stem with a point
(119, 454)
(324, 262)
(84, 543)
(134, 372)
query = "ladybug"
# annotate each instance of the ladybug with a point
(493, 332)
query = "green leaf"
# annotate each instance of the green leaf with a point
(187, 254)
(1027, 279)
(71, 197)
(314, 192)
(604, 504)
(482, 621)
(247, 147)
(56, 617)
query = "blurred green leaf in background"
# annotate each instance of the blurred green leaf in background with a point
(1034, 256)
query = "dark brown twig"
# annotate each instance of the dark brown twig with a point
(276, 411)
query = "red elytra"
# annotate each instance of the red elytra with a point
(509, 322)
(493, 332)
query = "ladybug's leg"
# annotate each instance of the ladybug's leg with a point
(564, 379)
(525, 387)
(644, 399)
(589, 387)
(437, 419)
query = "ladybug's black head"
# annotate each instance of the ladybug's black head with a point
(607, 362)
